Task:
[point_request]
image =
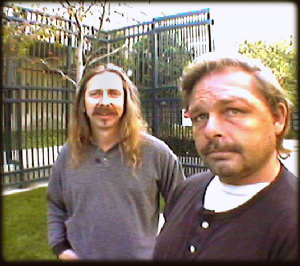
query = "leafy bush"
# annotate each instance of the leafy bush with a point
(281, 57)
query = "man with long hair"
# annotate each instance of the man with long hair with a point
(245, 207)
(104, 192)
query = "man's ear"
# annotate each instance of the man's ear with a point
(280, 118)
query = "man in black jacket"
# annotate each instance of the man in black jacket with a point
(245, 207)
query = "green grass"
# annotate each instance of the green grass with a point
(24, 227)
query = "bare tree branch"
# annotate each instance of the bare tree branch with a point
(103, 56)
(57, 70)
(102, 18)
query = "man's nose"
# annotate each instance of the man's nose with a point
(105, 99)
(214, 127)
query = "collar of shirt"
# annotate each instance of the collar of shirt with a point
(221, 197)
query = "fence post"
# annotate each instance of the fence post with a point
(69, 86)
(154, 81)
(8, 111)
(210, 39)
(19, 139)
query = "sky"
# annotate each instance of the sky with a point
(234, 22)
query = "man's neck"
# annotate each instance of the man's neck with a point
(105, 139)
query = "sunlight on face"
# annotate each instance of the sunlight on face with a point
(104, 100)
(232, 125)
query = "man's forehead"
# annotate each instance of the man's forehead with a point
(105, 80)
(225, 87)
(229, 75)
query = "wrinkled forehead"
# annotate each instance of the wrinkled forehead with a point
(224, 86)
(217, 82)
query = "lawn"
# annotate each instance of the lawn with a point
(24, 227)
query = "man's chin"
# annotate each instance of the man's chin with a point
(223, 169)
(104, 125)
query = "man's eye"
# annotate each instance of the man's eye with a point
(234, 111)
(93, 94)
(199, 118)
(115, 93)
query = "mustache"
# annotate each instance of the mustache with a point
(104, 110)
(216, 146)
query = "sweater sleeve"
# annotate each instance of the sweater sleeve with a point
(171, 174)
(57, 212)
(289, 247)
(284, 237)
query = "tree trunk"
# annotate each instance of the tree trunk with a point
(79, 60)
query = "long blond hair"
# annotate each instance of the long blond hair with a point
(132, 124)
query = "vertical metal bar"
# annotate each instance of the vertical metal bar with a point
(108, 49)
(69, 85)
(36, 132)
(154, 80)
(47, 75)
(8, 124)
(31, 95)
(139, 60)
(173, 61)
(52, 125)
(26, 112)
(210, 40)
(26, 130)
(19, 134)
(57, 121)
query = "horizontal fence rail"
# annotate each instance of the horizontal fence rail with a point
(37, 99)
(34, 128)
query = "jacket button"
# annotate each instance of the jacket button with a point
(192, 249)
(205, 225)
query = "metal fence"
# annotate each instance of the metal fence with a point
(36, 99)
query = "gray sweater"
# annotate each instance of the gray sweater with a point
(102, 210)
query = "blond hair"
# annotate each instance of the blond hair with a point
(132, 124)
(267, 84)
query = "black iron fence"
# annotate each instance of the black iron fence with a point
(36, 99)
(34, 129)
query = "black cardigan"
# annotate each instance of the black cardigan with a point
(263, 228)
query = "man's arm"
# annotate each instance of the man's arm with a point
(171, 175)
(57, 215)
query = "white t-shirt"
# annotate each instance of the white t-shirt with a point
(221, 197)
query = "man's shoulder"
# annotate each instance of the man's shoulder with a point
(189, 191)
(152, 142)
(194, 184)
(152, 139)
(198, 179)
(63, 154)
(290, 179)
(66, 149)
(285, 190)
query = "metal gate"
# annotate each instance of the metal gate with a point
(36, 100)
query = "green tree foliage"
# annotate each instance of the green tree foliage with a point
(14, 44)
(35, 36)
(281, 57)
(19, 35)
(172, 56)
